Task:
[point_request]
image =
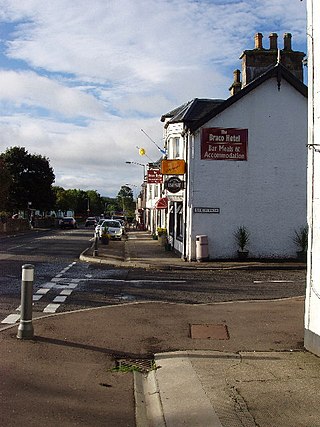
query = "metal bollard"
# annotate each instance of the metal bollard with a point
(25, 329)
(95, 251)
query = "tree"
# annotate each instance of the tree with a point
(5, 179)
(32, 179)
(81, 202)
(125, 199)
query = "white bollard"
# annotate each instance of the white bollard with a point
(25, 329)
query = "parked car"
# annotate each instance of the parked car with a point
(114, 229)
(91, 221)
(68, 222)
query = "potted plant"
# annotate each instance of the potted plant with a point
(162, 236)
(300, 238)
(105, 237)
(242, 237)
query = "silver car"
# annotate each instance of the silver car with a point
(114, 229)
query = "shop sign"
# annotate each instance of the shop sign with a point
(154, 176)
(173, 167)
(207, 210)
(224, 144)
(173, 184)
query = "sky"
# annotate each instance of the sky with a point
(79, 79)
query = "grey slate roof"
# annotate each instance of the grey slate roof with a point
(191, 111)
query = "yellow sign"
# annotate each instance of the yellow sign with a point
(173, 167)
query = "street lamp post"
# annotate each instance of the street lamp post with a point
(139, 164)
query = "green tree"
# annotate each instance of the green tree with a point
(125, 200)
(6, 180)
(32, 179)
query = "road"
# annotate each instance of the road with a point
(63, 283)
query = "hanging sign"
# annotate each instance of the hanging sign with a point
(173, 184)
(173, 167)
(154, 176)
(224, 144)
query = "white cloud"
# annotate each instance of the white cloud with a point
(79, 80)
(30, 89)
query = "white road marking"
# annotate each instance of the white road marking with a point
(36, 297)
(273, 281)
(43, 291)
(66, 292)
(59, 298)
(51, 308)
(47, 285)
(11, 319)
(136, 281)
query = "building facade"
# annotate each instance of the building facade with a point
(245, 159)
(312, 302)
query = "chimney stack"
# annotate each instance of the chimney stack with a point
(258, 41)
(273, 41)
(287, 41)
(258, 60)
(236, 85)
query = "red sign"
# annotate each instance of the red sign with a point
(224, 144)
(154, 176)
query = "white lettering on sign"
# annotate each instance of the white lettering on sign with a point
(224, 144)
(207, 210)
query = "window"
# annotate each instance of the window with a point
(175, 143)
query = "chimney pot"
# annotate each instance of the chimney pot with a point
(236, 76)
(258, 41)
(273, 41)
(287, 41)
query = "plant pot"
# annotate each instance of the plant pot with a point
(105, 240)
(162, 240)
(242, 255)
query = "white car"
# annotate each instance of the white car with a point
(114, 229)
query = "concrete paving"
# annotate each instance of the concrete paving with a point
(259, 375)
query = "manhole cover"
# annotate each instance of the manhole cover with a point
(209, 332)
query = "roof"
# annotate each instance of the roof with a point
(191, 111)
(197, 112)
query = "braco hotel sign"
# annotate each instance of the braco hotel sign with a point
(224, 144)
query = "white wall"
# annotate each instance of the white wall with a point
(266, 193)
(312, 304)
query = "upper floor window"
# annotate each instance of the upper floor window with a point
(176, 148)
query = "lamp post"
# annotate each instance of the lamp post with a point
(139, 164)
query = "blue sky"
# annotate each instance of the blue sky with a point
(78, 83)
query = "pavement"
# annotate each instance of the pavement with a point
(163, 364)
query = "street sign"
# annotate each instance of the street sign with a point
(207, 210)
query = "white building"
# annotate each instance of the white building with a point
(312, 303)
(245, 159)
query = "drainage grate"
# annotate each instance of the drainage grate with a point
(213, 332)
(141, 365)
